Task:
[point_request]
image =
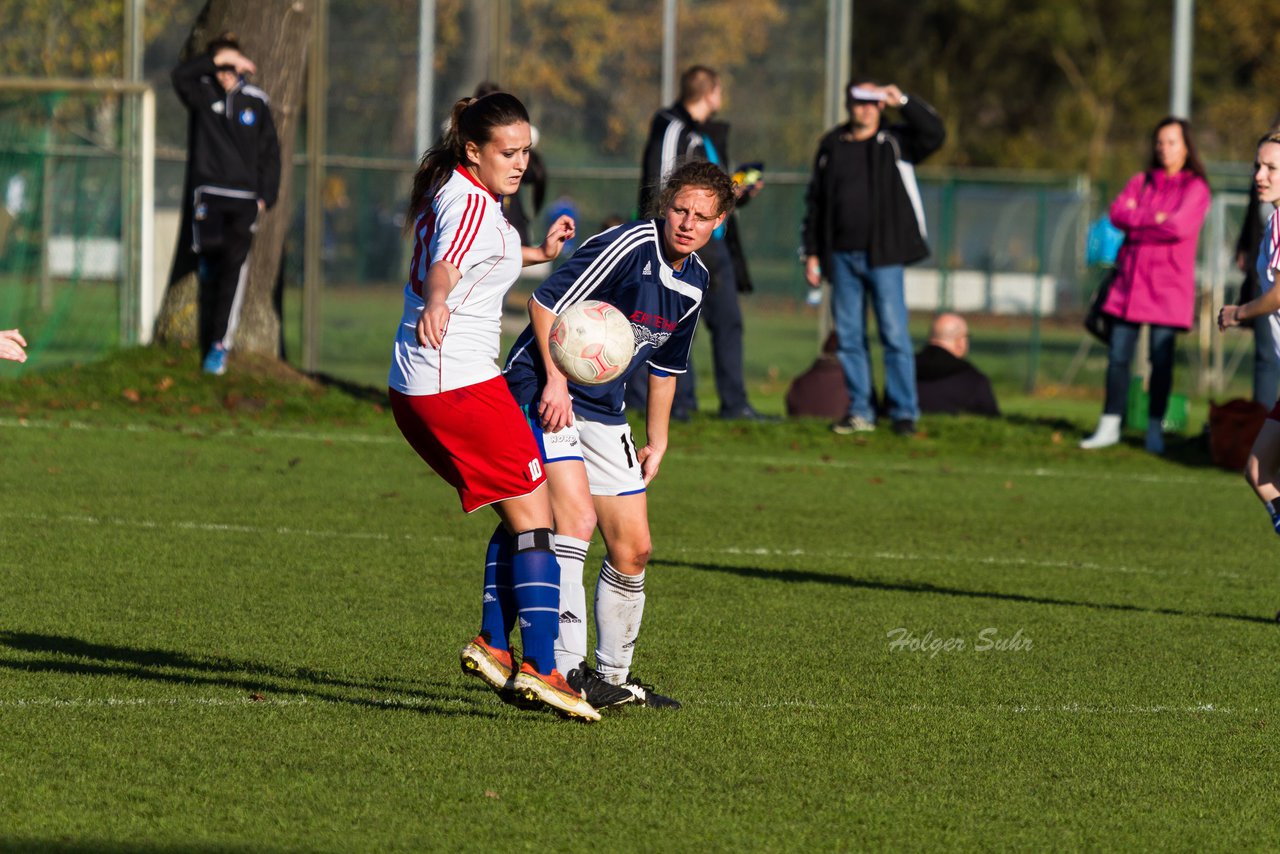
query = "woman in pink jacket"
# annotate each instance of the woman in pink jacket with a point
(1160, 211)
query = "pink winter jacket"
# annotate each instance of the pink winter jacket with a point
(1156, 267)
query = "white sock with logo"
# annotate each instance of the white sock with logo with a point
(571, 645)
(619, 608)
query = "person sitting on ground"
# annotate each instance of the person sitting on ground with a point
(946, 381)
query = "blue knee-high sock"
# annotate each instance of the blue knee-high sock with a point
(498, 610)
(535, 577)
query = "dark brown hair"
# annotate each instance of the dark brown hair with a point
(472, 120)
(1193, 163)
(700, 175)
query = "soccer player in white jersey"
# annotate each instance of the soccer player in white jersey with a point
(1263, 468)
(598, 476)
(450, 400)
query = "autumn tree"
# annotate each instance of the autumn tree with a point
(274, 34)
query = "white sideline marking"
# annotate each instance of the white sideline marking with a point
(931, 467)
(228, 528)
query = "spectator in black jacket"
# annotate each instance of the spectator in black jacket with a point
(947, 382)
(863, 222)
(233, 172)
(685, 131)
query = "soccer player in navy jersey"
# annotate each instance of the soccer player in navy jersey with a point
(648, 269)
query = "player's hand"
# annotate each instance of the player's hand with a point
(813, 271)
(560, 231)
(11, 344)
(555, 409)
(1228, 317)
(650, 458)
(432, 325)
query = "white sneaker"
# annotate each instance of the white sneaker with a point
(1107, 434)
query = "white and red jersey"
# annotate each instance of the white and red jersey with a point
(464, 226)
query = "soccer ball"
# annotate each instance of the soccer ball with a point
(592, 342)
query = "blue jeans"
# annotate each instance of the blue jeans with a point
(852, 278)
(1124, 340)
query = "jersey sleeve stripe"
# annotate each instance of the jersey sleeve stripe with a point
(466, 233)
(600, 268)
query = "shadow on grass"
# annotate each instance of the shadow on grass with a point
(801, 575)
(376, 395)
(73, 656)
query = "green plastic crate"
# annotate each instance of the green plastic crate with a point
(1175, 417)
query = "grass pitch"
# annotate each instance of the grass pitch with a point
(232, 609)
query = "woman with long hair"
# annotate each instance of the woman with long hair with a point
(450, 400)
(1160, 211)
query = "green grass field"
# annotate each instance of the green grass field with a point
(232, 609)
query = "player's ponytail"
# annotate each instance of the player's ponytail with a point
(472, 120)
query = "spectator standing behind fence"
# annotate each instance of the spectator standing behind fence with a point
(863, 223)
(946, 381)
(1160, 211)
(1266, 362)
(233, 168)
(685, 131)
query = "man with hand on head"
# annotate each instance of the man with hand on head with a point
(863, 223)
(233, 172)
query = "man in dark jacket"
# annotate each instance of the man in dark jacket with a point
(946, 381)
(685, 131)
(233, 173)
(863, 223)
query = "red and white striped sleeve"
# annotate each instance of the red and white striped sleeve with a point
(459, 218)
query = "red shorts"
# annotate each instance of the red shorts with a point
(474, 437)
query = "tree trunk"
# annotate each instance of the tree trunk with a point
(275, 35)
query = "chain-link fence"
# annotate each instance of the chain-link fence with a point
(1008, 248)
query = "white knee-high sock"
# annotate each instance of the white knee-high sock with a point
(571, 645)
(619, 608)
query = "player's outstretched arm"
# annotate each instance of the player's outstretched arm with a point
(11, 344)
(560, 231)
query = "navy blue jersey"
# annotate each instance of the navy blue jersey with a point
(626, 267)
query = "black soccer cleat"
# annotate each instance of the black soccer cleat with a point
(598, 692)
(645, 695)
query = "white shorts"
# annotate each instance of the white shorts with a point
(607, 450)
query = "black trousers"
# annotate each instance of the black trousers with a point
(223, 234)
(722, 316)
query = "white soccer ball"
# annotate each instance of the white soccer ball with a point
(592, 342)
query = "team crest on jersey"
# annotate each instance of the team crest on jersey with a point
(645, 335)
(248, 117)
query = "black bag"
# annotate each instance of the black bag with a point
(1096, 322)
